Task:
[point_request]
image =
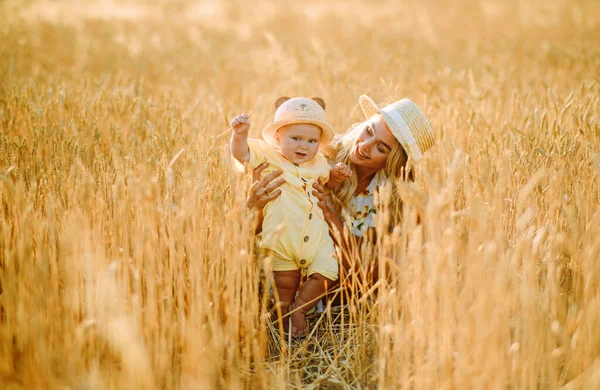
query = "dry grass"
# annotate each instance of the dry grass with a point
(116, 273)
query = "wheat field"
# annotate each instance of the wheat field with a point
(125, 264)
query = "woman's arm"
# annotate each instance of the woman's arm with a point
(349, 244)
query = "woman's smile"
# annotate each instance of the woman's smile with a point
(360, 153)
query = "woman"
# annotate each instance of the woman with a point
(380, 151)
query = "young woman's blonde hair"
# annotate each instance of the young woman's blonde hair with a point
(395, 170)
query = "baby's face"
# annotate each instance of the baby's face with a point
(299, 142)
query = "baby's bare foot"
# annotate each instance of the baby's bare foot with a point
(299, 325)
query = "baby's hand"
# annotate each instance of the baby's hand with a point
(241, 124)
(339, 172)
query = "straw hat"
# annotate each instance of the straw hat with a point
(299, 110)
(406, 122)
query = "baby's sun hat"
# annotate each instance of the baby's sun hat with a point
(406, 122)
(299, 110)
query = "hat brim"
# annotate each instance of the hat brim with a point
(269, 131)
(370, 108)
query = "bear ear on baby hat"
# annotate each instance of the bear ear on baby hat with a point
(280, 101)
(319, 100)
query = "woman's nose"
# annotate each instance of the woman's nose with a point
(366, 145)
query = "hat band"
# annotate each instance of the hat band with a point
(405, 134)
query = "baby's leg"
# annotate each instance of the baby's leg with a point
(286, 283)
(321, 273)
(309, 295)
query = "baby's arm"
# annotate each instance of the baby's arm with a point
(338, 173)
(239, 138)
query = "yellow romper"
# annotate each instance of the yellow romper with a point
(294, 231)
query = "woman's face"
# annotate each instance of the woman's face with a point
(373, 144)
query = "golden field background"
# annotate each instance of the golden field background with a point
(121, 271)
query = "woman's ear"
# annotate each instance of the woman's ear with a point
(280, 101)
(319, 100)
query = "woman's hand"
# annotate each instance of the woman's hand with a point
(330, 217)
(319, 193)
(263, 190)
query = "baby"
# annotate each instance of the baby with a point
(294, 233)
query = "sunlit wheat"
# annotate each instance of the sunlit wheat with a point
(126, 250)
